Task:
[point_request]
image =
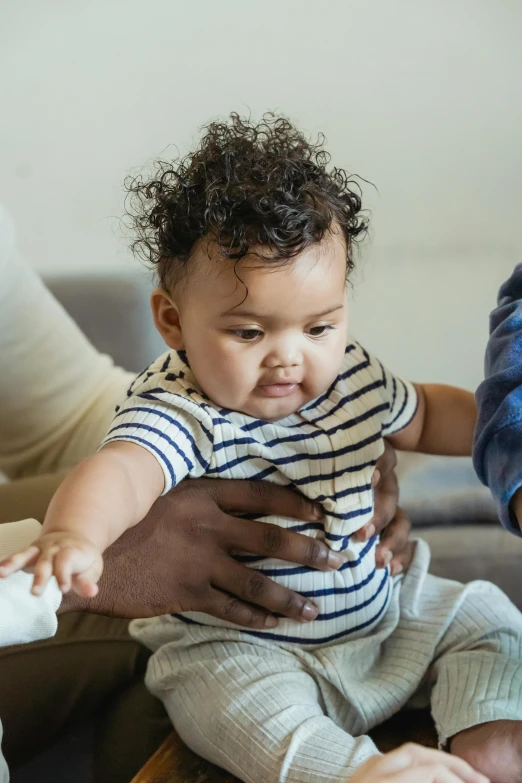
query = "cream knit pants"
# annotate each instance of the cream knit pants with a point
(278, 713)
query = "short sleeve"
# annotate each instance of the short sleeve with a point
(176, 431)
(399, 396)
(403, 401)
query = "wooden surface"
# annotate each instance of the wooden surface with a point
(173, 762)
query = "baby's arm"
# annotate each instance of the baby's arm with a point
(102, 497)
(443, 422)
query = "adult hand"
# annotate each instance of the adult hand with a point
(415, 764)
(179, 558)
(395, 549)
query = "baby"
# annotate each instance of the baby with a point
(253, 236)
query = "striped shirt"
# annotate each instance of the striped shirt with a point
(327, 451)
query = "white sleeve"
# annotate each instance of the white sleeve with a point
(57, 393)
(24, 617)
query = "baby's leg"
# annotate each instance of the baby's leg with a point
(477, 695)
(255, 711)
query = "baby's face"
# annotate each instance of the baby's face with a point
(271, 351)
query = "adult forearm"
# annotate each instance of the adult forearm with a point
(58, 393)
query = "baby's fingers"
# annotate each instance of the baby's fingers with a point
(63, 568)
(43, 570)
(85, 584)
(18, 561)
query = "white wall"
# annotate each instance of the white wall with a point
(422, 97)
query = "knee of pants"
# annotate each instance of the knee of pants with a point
(261, 717)
(228, 704)
(253, 746)
(485, 620)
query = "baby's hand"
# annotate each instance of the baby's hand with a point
(70, 557)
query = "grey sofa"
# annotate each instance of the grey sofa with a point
(446, 503)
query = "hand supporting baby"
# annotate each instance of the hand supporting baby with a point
(210, 500)
(415, 764)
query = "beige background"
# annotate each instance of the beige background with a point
(422, 97)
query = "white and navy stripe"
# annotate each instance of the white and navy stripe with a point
(327, 450)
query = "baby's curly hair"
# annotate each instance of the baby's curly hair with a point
(246, 184)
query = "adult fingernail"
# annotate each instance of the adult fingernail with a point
(386, 556)
(396, 569)
(317, 511)
(309, 612)
(370, 531)
(271, 621)
(335, 560)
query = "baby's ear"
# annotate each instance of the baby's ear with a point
(166, 318)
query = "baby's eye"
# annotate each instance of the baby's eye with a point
(248, 335)
(320, 331)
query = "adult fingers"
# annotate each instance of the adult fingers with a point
(259, 497)
(386, 497)
(257, 589)
(233, 610)
(412, 755)
(386, 463)
(402, 561)
(261, 538)
(425, 773)
(394, 540)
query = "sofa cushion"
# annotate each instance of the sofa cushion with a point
(114, 312)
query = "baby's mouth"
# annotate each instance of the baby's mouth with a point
(283, 389)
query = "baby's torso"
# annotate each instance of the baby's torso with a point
(327, 451)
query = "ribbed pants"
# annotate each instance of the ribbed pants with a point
(280, 713)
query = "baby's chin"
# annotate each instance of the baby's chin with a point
(273, 409)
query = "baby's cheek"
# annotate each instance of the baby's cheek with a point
(237, 379)
(324, 371)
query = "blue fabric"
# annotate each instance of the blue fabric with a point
(497, 451)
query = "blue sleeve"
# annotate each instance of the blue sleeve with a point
(497, 450)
